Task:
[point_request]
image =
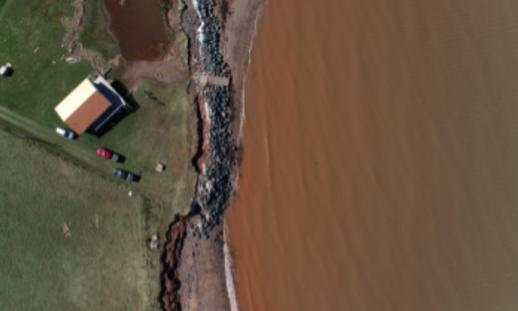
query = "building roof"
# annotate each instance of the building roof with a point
(82, 107)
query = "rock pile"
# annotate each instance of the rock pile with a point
(211, 57)
(215, 183)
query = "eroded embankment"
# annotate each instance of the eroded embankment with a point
(172, 252)
(184, 288)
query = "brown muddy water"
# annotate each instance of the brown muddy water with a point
(380, 166)
(139, 27)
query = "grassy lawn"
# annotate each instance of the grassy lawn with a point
(101, 264)
(49, 184)
(31, 40)
(31, 36)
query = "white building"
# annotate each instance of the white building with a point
(90, 105)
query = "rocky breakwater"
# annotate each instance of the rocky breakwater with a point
(215, 182)
(194, 272)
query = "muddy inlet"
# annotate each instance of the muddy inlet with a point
(139, 28)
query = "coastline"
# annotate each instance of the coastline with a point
(239, 73)
(240, 33)
(229, 273)
(197, 263)
(400, 210)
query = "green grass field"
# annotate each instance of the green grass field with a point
(48, 183)
(101, 264)
(31, 40)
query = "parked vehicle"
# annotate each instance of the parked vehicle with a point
(68, 134)
(126, 175)
(6, 70)
(108, 154)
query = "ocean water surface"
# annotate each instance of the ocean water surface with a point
(380, 158)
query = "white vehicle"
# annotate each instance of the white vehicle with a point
(66, 133)
(6, 70)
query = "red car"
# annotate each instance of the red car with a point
(107, 154)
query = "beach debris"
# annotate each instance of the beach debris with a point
(130, 193)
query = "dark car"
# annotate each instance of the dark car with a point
(126, 175)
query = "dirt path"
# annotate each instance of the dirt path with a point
(22, 123)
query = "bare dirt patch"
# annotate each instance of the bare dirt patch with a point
(73, 27)
(167, 70)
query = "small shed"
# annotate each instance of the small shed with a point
(90, 105)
